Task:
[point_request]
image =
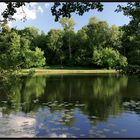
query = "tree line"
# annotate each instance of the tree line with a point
(96, 45)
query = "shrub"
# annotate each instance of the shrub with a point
(109, 58)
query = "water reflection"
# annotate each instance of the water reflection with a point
(64, 105)
(101, 95)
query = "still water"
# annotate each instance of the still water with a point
(90, 106)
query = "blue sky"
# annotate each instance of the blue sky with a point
(44, 20)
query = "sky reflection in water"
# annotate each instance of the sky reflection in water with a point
(70, 106)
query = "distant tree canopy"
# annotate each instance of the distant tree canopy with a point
(96, 45)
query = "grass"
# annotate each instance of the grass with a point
(68, 67)
(65, 70)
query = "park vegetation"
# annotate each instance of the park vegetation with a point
(95, 45)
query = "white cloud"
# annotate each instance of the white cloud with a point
(40, 9)
(47, 5)
(29, 11)
(2, 8)
(19, 124)
(33, 3)
(54, 135)
(25, 12)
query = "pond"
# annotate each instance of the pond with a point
(73, 106)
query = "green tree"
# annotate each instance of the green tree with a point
(68, 26)
(30, 58)
(130, 40)
(54, 53)
(109, 58)
(38, 58)
(41, 40)
(96, 45)
(82, 55)
(94, 35)
(10, 50)
(30, 33)
(115, 38)
(15, 52)
(98, 32)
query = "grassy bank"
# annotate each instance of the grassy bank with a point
(65, 71)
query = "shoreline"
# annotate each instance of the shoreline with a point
(66, 71)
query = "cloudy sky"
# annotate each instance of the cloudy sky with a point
(39, 15)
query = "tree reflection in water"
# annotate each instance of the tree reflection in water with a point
(101, 95)
(63, 103)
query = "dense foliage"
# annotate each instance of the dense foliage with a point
(109, 58)
(15, 51)
(96, 45)
(131, 37)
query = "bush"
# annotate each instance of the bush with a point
(109, 58)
